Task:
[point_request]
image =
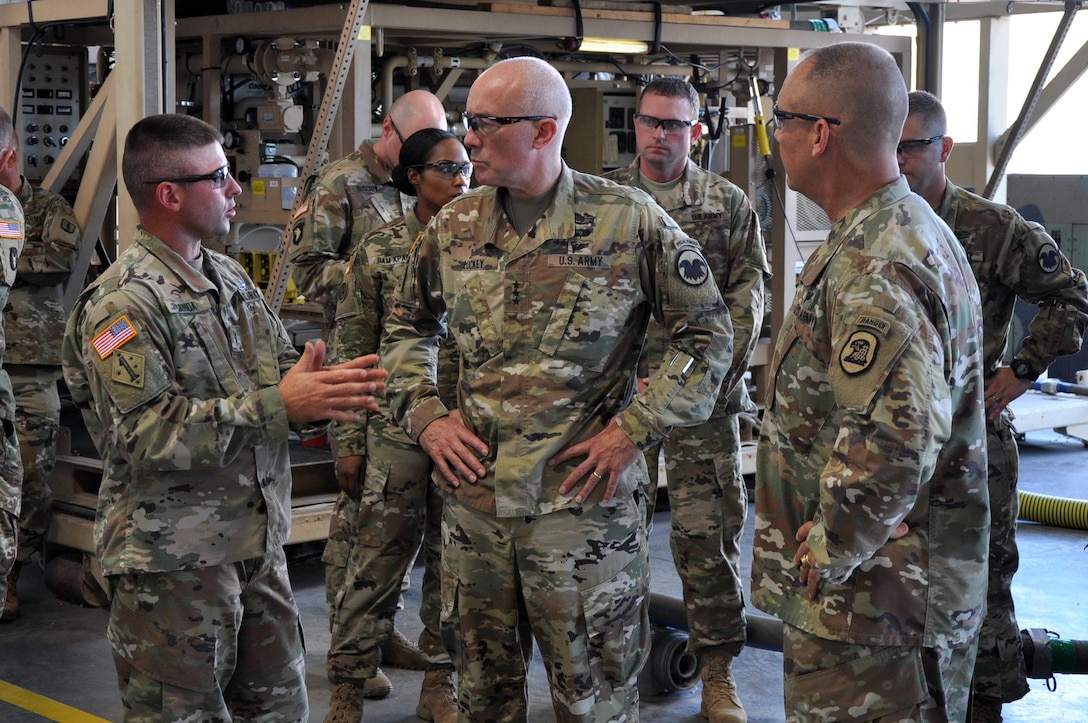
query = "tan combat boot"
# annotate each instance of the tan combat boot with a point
(438, 697)
(720, 701)
(377, 687)
(11, 603)
(400, 652)
(346, 705)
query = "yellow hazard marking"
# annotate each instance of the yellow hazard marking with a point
(45, 707)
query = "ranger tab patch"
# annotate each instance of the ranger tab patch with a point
(858, 353)
(115, 335)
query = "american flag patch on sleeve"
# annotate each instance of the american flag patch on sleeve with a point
(10, 228)
(114, 336)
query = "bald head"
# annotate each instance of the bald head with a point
(416, 110)
(530, 87)
(861, 85)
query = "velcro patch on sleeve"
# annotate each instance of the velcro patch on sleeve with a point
(872, 343)
(118, 333)
(11, 228)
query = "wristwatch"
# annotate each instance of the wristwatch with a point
(1022, 370)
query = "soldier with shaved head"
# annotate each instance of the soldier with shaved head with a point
(871, 502)
(546, 278)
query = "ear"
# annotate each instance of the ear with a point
(946, 148)
(169, 196)
(821, 138)
(696, 133)
(414, 177)
(546, 131)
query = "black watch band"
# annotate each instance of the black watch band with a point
(1022, 370)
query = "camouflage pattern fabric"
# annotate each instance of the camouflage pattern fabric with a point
(192, 660)
(1012, 258)
(875, 417)
(12, 233)
(34, 313)
(175, 370)
(171, 416)
(34, 319)
(580, 576)
(833, 682)
(376, 538)
(348, 199)
(549, 327)
(706, 491)
(37, 423)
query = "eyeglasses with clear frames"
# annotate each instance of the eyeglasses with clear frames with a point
(218, 177)
(671, 126)
(485, 125)
(914, 146)
(449, 169)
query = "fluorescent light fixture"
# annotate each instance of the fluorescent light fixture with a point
(613, 45)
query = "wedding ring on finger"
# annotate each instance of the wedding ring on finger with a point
(806, 559)
(595, 475)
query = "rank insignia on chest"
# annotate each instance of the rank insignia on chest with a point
(858, 353)
(128, 369)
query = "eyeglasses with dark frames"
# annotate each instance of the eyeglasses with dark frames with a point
(671, 126)
(218, 177)
(914, 146)
(784, 115)
(487, 124)
(396, 130)
(449, 169)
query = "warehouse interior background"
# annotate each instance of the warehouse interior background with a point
(295, 84)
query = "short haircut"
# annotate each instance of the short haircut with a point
(928, 108)
(671, 86)
(159, 146)
(861, 85)
(414, 152)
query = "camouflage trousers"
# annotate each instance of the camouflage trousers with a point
(214, 644)
(708, 503)
(827, 681)
(37, 422)
(578, 578)
(398, 510)
(9, 543)
(1000, 673)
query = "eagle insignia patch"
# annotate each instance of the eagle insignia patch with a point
(692, 267)
(858, 353)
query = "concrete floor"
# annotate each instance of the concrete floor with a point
(58, 651)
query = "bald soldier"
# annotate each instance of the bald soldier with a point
(871, 501)
(546, 278)
(349, 199)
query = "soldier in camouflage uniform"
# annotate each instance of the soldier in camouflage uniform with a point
(11, 468)
(1011, 258)
(379, 466)
(706, 491)
(546, 279)
(871, 501)
(350, 198)
(188, 383)
(34, 326)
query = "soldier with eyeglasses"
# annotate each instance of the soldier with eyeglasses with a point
(707, 497)
(1011, 258)
(348, 199)
(545, 279)
(189, 385)
(871, 501)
